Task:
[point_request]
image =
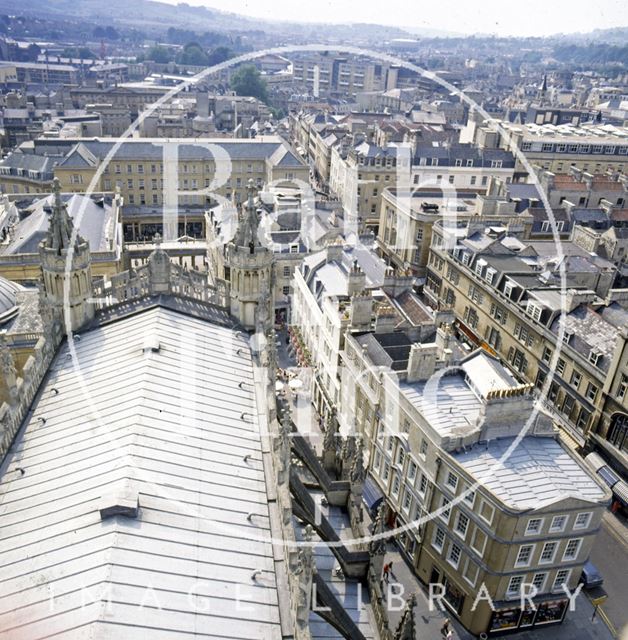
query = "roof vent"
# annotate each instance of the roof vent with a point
(125, 502)
(151, 343)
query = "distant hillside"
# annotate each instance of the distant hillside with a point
(154, 16)
(148, 15)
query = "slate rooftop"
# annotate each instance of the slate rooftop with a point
(537, 472)
(168, 425)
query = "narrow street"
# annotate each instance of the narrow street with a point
(610, 556)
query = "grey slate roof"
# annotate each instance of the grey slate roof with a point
(168, 426)
(330, 278)
(538, 472)
(590, 331)
(27, 320)
(8, 293)
(448, 154)
(388, 349)
(135, 149)
(96, 225)
(29, 162)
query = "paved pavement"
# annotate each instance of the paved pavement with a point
(610, 556)
(428, 623)
(576, 626)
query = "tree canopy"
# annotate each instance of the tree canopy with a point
(247, 81)
(218, 55)
(159, 54)
(192, 54)
(106, 32)
(78, 52)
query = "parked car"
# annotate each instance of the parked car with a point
(591, 577)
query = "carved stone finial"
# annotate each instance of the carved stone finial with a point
(284, 454)
(46, 311)
(357, 468)
(348, 448)
(159, 268)
(271, 357)
(60, 224)
(406, 629)
(7, 365)
(329, 437)
(304, 572)
(6, 358)
(377, 545)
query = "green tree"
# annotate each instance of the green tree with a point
(278, 113)
(218, 55)
(192, 54)
(78, 52)
(247, 81)
(111, 33)
(32, 53)
(159, 54)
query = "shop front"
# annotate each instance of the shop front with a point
(453, 596)
(465, 334)
(406, 541)
(372, 496)
(513, 618)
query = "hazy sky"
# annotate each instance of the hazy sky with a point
(503, 17)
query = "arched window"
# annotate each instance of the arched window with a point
(618, 432)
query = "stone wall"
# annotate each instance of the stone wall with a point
(22, 390)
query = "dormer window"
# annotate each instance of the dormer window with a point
(594, 357)
(490, 275)
(479, 267)
(567, 337)
(534, 310)
(508, 289)
(466, 257)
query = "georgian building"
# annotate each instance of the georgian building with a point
(506, 296)
(437, 428)
(406, 221)
(592, 147)
(461, 168)
(345, 290)
(26, 173)
(185, 177)
(359, 177)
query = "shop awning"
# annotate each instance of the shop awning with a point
(620, 491)
(371, 494)
(608, 475)
(595, 461)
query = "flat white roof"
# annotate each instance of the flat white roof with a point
(174, 425)
(538, 472)
(454, 406)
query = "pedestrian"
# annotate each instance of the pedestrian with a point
(390, 569)
(386, 570)
(446, 631)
